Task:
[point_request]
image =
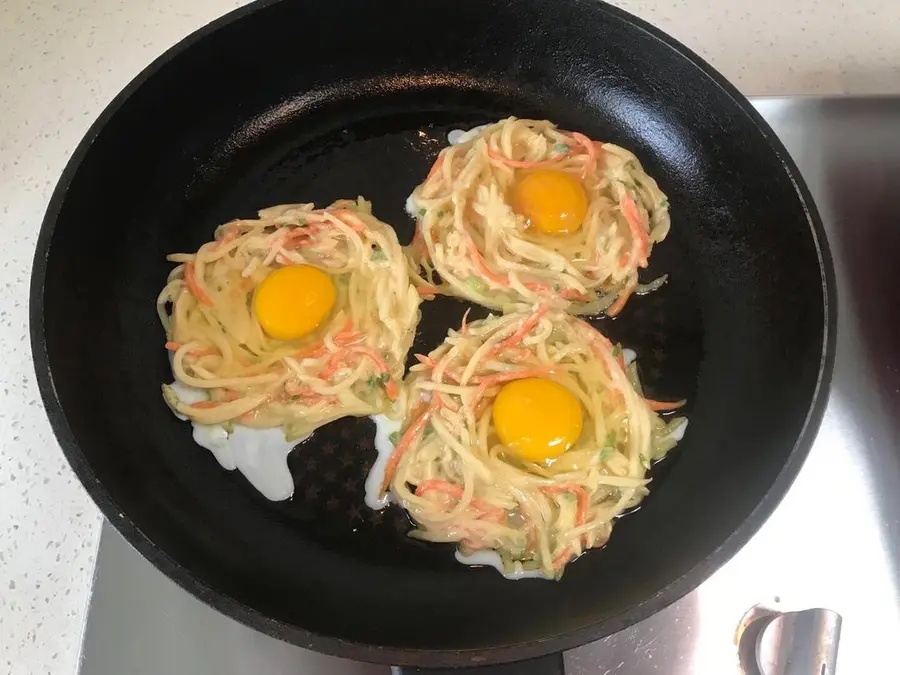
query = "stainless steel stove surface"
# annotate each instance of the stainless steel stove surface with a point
(834, 541)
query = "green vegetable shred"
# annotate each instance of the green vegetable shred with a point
(476, 284)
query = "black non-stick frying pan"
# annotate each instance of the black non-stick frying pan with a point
(313, 101)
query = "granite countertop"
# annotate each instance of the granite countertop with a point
(62, 62)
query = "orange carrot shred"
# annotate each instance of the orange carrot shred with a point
(409, 437)
(457, 492)
(523, 330)
(562, 558)
(588, 145)
(640, 240)
(482, 267)
(662, 406)
(436, 166)
(619, 304)
(193, 286)
(428, 290)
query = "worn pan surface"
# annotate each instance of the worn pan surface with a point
(293, 101)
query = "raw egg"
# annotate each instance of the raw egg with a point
(292, 301)
(553, 202)
(537, 419)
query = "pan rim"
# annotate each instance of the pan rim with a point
(248, 616)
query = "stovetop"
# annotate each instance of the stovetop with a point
(834, 541)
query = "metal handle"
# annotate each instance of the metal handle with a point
(545, 665)
(799, 643)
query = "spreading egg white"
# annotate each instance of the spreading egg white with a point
(384, 427)
(259, 454)
(492, 559)
(456, 136)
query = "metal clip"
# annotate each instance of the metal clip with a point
(799, 643)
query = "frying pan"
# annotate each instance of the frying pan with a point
(290, 101)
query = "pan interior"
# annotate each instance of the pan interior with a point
(219, 132)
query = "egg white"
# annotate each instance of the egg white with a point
(259, 454)
(492, 559)
(384, 427)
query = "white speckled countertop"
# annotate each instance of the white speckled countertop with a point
(61, 63)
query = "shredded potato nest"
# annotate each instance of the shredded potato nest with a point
(460, 484)
(471, 243)
(353, 362)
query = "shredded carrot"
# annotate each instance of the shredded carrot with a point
(562, 558)
(619, 304)
(334, 363)
(372, 354)
(588, 145)
(523, 330)
(426, 291)
(435, 167)
(193, 286)
(417, 238)
(426, 360)
(391, 389)
(173, 346)
(355, 222)
(537, 287)
(418, 242)
(482, 267)
(445, 402)
(440, 486)
(298, 243)
(345, 337)
(409, 437)
(518, 354)
(205, 404)
(640, 240)
(457, 492)
(573, 294)
(519, 164)
(662, 406)
(295, 389)
(295, 238)
(431, 364)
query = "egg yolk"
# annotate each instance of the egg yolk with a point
(292, 301)
(537, 419)
(553, 202)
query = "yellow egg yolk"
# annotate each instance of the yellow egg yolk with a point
(537, 419)
(292, 301)
(552, 202)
